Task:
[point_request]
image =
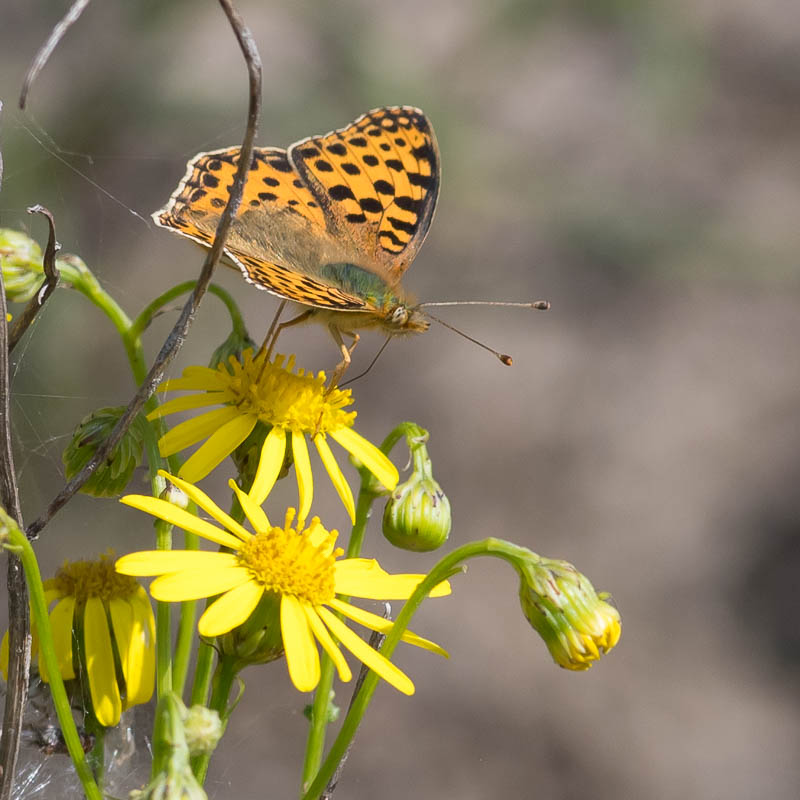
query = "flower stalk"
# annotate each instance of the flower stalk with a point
(18, 543)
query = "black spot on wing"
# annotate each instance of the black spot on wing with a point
(371, 204)
(341, 192)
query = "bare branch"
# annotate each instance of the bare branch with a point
(19, 650)
(47, 48)
(23, 321)
(178, 333)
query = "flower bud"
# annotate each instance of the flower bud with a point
(173, 778)
(237, 342)
(21, 261)
(113, 476)
(203, 730)
(258, 640)
(577, 625)
(417, 516)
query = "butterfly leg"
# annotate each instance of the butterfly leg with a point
(277, 332)
(346, 352)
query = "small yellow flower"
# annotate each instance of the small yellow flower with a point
(87, 594)
(299, 566)
(293, 405)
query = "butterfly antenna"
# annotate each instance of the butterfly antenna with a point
(537, 305)
(505, 359)
(371, 365)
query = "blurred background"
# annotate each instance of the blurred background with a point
(637, 164)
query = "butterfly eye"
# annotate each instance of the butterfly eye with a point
(400, 316)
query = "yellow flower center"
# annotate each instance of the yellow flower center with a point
(84, 579)
(298, 402)
(288, 561)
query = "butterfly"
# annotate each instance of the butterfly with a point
(332, 222)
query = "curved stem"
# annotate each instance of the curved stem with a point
(449, 565)
(47, 650)
(145, 317)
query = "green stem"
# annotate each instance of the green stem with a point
(315, 743)
(144, 319)
(185, 637)
(47, 652)
(448, 566)
(223, 681)
(202, 674)
(96, 756)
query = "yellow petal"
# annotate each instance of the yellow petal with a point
(273, 452)
(61, 621)
(103, 687)
(195, 378)
(364, 653)
(188, 403)
(4, 656)
(376, 623)
(364, 577)
(326, 640)
(217, 447)
(302, 656)
(183, 519)
(339, 482)
(131, 636)
(204, 502)
(192, 584)
(195, 429)
(230, 610)
(253, 511)
(144, 622)
(370, 456)
(305, 480)
(147, 563)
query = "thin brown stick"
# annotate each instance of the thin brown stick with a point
(23, 321)
(178, 334)
(19, 650)
(46, 50)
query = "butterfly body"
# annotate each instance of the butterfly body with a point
(331, 223)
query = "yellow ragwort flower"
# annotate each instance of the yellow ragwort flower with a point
(293, 405)
(87, 594)
(299, 566)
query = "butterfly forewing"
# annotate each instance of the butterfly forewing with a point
(378, 180)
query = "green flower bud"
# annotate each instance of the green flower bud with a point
(417, 516)
(258, 640)
(21, 261)
(203, 730)
(233, 347)
(576, 623)
(113, 476)
(173, 778)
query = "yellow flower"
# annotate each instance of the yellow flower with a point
(293, 405)
(87, 594)
(299, 566)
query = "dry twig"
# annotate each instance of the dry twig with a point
(19, 651)
(23, 321)
(178, 333)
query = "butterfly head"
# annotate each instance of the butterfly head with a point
(403, 319)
